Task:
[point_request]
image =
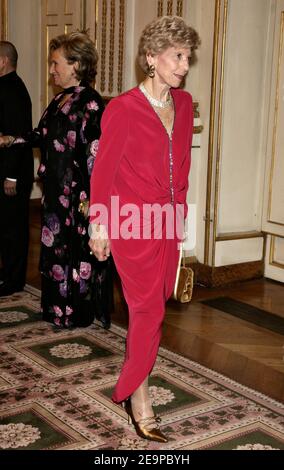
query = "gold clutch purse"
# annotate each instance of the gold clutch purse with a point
(184, 280)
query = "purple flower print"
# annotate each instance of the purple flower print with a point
(67, 221)
(83, 139)
(94, 148)
(84, 122)
(57, 321)
(53, 223)
(73, 184)
(83, 195)
(76, 276)
(73, 117)
(63, 289)
(64, 201)
(66, 107)
(83, 286)
(58, 252)
(71, 139)
(57, 310)
(90, 164)
(57, 272)
(85, 270)
(41, 169)
(69, 310)
(47, 236)
(81, 230)
(44, 131)
(66, 190)
(92, 106)
(58, 146)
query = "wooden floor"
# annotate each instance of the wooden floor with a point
(243, 351)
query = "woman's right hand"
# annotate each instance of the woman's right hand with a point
(5, 140)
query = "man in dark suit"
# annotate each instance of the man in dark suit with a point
(16, 173)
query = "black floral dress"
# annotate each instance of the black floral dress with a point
(76, 288)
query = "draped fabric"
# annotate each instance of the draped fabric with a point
(133, 164)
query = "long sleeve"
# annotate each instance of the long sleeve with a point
(115, 127)
(88, 135)
(17, 120)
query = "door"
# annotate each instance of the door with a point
(273, 206)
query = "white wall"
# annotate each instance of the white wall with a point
(24, 33)
(242, 151)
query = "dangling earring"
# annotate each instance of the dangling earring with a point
(151, 71)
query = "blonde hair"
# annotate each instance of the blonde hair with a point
(78, 47)
(165, 32)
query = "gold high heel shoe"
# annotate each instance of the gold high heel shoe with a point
(142, 426)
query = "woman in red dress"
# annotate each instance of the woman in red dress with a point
(143, 162)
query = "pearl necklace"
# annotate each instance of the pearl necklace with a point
(154, 101)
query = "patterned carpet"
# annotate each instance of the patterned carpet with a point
(55, 389)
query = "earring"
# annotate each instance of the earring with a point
(151, 71)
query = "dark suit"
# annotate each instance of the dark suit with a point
(15, 162)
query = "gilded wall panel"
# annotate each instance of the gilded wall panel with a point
(276, 257)
(110, 39)
(3, 19)
(170, 7)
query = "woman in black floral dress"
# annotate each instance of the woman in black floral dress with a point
(76, 288)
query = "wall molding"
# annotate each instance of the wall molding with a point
(3, 19)
(169, 7)
(272, 260)
(212, 276)
(276, 128)
(212, 130)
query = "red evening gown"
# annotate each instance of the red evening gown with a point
(133, 162)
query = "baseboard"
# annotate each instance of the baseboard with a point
(212, 276)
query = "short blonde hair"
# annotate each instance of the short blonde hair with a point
(78, 47)
(165, 32)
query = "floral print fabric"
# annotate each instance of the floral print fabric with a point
(76, 288)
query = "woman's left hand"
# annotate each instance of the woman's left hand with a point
(99, 242)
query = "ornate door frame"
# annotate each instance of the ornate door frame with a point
(3, 19)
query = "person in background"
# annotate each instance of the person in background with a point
(16, 173)
(76, 288)
(144, 159)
